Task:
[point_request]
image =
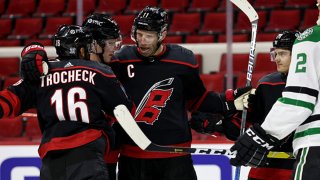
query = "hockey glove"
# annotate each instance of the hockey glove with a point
(253, 147)
(233, 99)
(34, 62)
(249, 100)
(206, 123)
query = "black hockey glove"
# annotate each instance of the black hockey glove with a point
(34, 62)
(206, 123)
(233, 99)
(253, 147)
(250, 100)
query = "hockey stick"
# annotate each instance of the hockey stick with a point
(128, 123)
(246, 8)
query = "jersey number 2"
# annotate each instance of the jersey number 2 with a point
(301, 64)
(72, 104)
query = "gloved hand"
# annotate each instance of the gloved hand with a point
(34, 62)
(206, 123)
(233, 99)
(253, 147)
(250, 99)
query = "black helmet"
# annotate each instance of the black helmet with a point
(102, 27)
(69, 39)
(285, 39)
(150, 19)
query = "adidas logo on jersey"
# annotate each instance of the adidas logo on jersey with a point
(68, 65)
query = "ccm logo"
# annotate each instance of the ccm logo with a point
(8, 165)
(258, 140)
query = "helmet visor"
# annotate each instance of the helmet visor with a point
(113, 44)
(281, 53)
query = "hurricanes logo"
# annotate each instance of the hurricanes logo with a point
(154, 101)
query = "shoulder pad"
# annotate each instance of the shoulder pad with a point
(271, 78)
(126, 52)
(179, 53)
(96, 66)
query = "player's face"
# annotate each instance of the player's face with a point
(110, 46)
(282, 59)
(147, 42)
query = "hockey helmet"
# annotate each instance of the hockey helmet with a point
(150, 19)
(101, 26)
(285, 39)
(69, 39)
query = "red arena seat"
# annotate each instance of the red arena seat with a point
(11, 127)
(214, 23)
(26, 28)
(9, 66)
(111, 6)
(213, 82)
(185, 23)
(279, 20)
(50, 8)
(20, 8)
(174, 6)
(137, 5)
(6, 27)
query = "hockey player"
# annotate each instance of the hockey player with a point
(297, 110)
(73, 100)
(164, 82)
(268, 91)
(106, 40)
(106, 36)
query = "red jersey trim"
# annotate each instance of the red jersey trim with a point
(272, 84)
(200, 100)
(128, 61)
(10, 103)
(136, 152)
(112, 156)
(68, 142)
(182, 63)
(158, 55)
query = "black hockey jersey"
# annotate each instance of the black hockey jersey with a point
(269, 89)
(163, 87)
(73, 101)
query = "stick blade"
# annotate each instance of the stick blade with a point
(246, 7)
(128, 123)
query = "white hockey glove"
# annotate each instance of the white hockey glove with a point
(249, 99)
(234, 98)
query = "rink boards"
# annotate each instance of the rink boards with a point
(21, 162)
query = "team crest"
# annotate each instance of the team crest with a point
(154, 101)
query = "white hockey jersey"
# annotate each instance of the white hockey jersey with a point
(299, 108)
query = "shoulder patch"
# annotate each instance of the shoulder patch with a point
(310, 34)
(305, 34)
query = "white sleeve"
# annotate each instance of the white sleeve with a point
(300, 95)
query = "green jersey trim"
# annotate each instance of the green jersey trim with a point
(308, 132)
(296, 102)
